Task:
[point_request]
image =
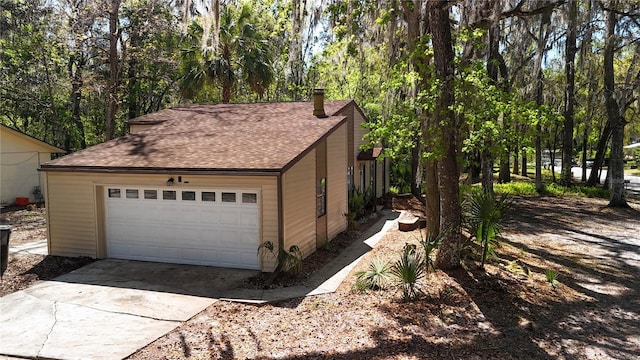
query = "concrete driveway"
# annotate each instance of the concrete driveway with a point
(108, 309)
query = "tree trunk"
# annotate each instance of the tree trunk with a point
(416, 173)
(585, 135)
(226, 82)
(504, 176)
(133, 92)
(569, 94)
(432, 202)
(523, 165)
(540, 49)
(76, 66)
(615, 172)
(114, 68)
(186, 14)
(295, 63)
(414, 17)
(601, 147)
(448, 256)
(487, 170)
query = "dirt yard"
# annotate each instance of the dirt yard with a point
(507, 312)
(29, 225)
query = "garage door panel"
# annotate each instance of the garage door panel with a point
(189, 231)
(248, 219)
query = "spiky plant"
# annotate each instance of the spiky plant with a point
(485, 215)
(288, 261)
(551, 276)
(429, 243)
(408, 270)
(375, 277)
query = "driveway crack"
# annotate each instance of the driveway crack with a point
(130, 314)
(55, 321)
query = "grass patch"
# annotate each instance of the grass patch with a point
(529, 188)
(594, 192)
(515, 188)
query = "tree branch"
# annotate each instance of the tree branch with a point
(518, 11)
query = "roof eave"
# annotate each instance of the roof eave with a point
(141, 171)
(313, 146)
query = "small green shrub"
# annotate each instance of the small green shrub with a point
(429, 244)
(394, 190)
(552, 277)
(288, 261)
(484, 218)
(408, 270)
(376, 277)
(401, 176)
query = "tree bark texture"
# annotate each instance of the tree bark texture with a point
(114, 69)
(448, 256)
(615, 116)
(540, 49)
(295, 62)
(569, 94)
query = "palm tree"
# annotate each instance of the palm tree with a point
(242, 54)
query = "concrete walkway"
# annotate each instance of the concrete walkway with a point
(327, 279)
(38, 247)
(111, 308)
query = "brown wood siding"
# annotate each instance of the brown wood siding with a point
(75, 213)
(337, 182)
(299, 204)
(71, 213)
(321, 173)
(351, 158)
(358, 134)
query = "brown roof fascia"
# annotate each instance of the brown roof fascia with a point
(141, 171)
(313, 146)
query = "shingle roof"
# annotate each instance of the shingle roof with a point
(221, 137)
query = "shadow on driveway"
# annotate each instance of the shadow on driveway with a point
(216, 282)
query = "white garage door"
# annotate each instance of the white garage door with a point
(187, 226)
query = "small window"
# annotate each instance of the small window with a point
(168, 195)
(114, 193)
(208, 196)
(321, 197)
(131, 193)
(189, 195)
(228, 197)
(249, 198)
(151, 194)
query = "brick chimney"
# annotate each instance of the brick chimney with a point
(318, 103)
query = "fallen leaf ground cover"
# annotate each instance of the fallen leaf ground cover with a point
(508, 311)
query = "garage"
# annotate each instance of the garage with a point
(215, 227)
